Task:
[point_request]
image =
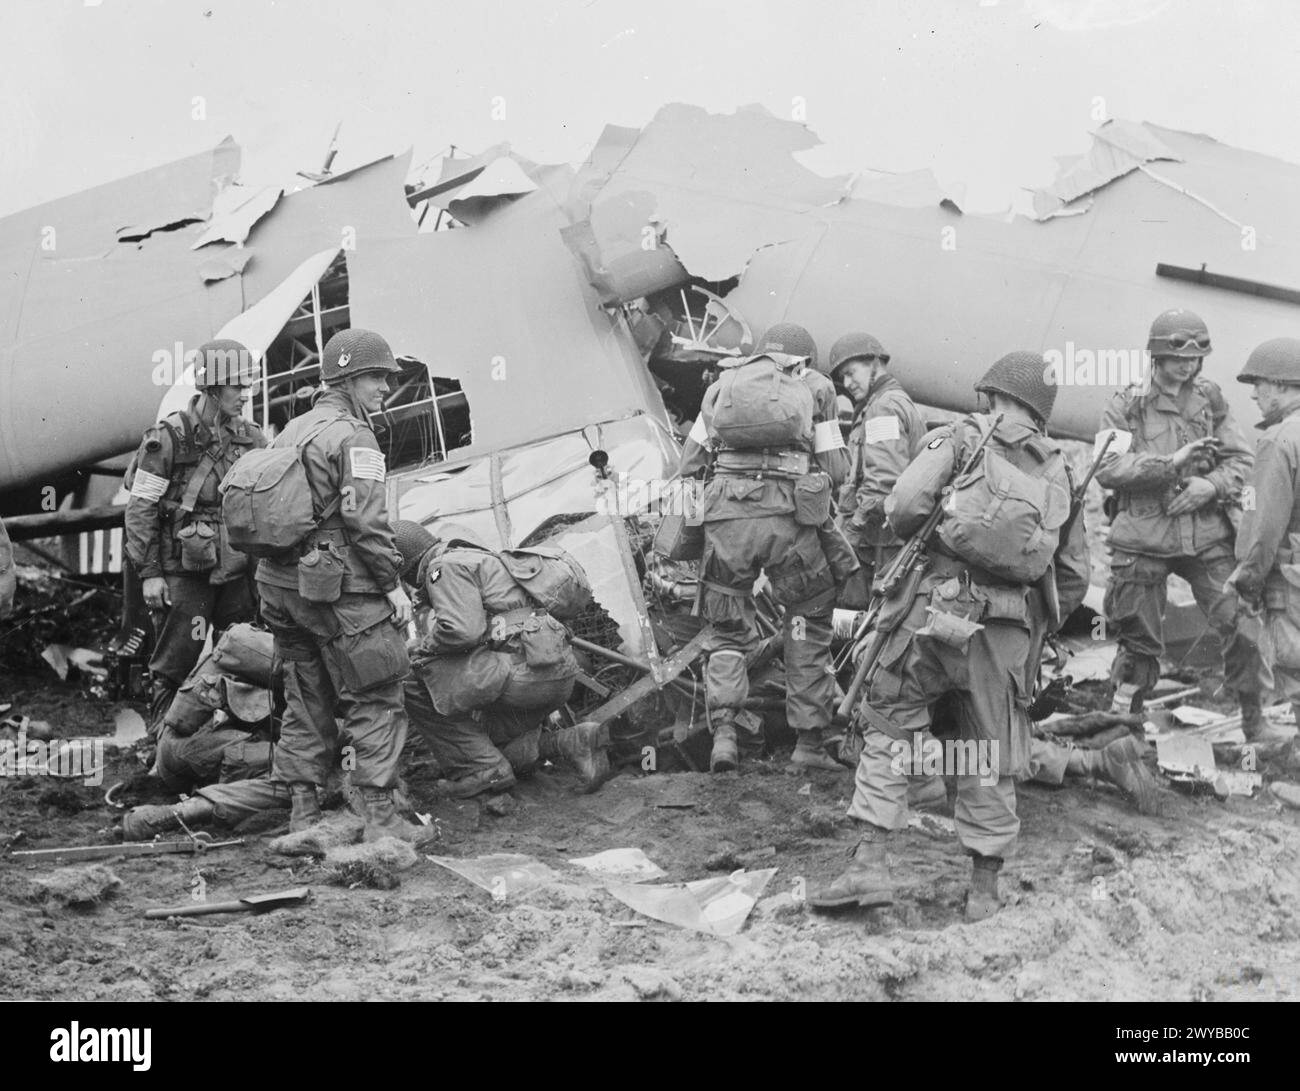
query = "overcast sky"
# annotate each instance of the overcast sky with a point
(984, 92)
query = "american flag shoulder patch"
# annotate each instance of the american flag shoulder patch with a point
(148, 486)
(367, 464)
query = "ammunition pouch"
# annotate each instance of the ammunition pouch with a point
(680, 537)
(541, 639)
(198, 545)
(812, 500)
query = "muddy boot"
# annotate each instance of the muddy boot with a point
(147, 822)
(1120, 763)
(1132, 678)
(866, 881)
(809, 753)
(724, 756)
(582, 746)
(982, 899)
(497, 778)
(305, 808)
(382, 820)
(926, 793)
(1258, 730)
(164, 692)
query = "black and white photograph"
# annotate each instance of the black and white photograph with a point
(594, 501)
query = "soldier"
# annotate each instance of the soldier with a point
(1177, 470)
(1267, 572)
(886, 436)
(491, 665)
(193, 582)
(969, 629)
(345, 657)
(768, 509)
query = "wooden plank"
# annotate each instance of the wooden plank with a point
(671, 668)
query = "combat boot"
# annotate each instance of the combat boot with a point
(1120, 762)
(724, 756)
(305, 808)
(382, 819)
(809, 753)
(982, 899)
(496, 778)
(581, 746)
(866, 881)
(1258, 729)
(147, 822)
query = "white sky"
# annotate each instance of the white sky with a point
(984, 92)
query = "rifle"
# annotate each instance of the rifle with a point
(909, 561)
(1081, 493)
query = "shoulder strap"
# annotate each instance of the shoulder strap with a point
(315, 430)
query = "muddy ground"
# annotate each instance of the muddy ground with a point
(1200, 903)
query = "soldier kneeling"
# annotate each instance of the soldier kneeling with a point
(492, 662)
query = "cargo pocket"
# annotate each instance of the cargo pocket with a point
(369, 650)
(812, 500)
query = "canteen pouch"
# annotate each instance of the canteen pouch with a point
(198, 542)
(812, 500)
(320, 574)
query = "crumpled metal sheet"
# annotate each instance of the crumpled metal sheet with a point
(502, 307)
(670, 177)
(236, 211)
(1118, 147)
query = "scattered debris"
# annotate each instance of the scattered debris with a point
(317, 840)
(371, 863)
(1286, 793)
(500, 873)
(76, 887)
(1186, 759)
(651, 984)
(731, 860)
(630, 865)
(63, 656)
(128, 728)
(249, 903)
(717, 906)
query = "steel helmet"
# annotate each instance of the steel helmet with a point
(790, 339)
(1179, 333)
(413, 542)
(855, 346)
(224, 362)
(1022, 376)
(1277, 360)
(355, 352)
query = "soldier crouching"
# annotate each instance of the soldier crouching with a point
(491, 664)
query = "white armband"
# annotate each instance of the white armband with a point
(827, 437)
(1122, 442)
